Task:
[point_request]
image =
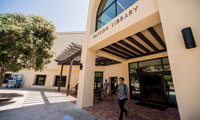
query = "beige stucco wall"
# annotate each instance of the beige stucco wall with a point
(173, 16)
(30, 77)
(184, 62)
(63, 40)
(147, 15)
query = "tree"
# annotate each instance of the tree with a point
(25, 42)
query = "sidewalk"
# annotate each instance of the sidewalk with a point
(40, 105)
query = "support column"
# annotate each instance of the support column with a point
(61, 71)
(86, 78)
(184, 63)
(69, 76)
(125, 72)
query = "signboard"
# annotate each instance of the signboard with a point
(115, 22)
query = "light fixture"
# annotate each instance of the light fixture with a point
(81, 66)
(188, 38)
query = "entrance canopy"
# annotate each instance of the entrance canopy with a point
(147, 42)
(74, 50)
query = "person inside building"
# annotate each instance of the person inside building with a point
(106, 84)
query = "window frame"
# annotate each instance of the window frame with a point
(56, 84)
(101, 77)
(37, 78)
(103, 11)
(4, 80)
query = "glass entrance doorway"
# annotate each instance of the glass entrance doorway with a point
(152, 81)
(113, 85)
(98, 81)
(153, 89)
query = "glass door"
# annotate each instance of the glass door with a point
(152, 87)
(134, 86)
(170, 91)
(98, 81)
(113, 85)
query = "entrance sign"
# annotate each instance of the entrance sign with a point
(116, 21)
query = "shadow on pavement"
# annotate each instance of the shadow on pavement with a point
(52, 111)
(10, 95)
(5, 98)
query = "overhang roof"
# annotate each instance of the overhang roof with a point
(147, 42)
(74, 50)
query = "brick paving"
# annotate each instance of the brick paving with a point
(108, 109)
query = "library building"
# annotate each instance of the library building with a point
(155, 46)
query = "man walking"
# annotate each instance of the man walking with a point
(122, 91)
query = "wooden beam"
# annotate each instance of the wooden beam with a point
(105, 50)
(157, 37)
(77, 45)
(135, 42)
(124, 49)
(143, 38)
(131, 47)
(72, 56)
(118, 51)
(110, 56)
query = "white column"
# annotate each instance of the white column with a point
(176, 15)
(86, 78)
(125, 72)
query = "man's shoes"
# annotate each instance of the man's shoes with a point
(126, 113)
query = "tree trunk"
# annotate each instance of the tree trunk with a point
(1, 79)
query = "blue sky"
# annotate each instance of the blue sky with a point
(67, 15)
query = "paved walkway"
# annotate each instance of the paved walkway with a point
(32, 104)
(108, 109)
(39, 105)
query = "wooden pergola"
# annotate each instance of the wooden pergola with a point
(71, 53)
(72, 56)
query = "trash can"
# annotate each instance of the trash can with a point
(68, 118)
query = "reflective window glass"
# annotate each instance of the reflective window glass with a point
(104, 5)
(62, 82)
(133, 67)
(98, 80)
(150, 66)
(124, 4)
(107, 16)
(135, 86)
(170, 88)
(40, 80)
(109, 9)
(120, 8)
(166, 65)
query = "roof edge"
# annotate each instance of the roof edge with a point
(74, 32)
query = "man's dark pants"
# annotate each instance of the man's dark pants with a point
(121, 105)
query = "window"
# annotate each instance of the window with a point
(40, 80)
(133, 67)
(98, 81)
(109, 9)
(166, 65)
(63, 81)
(151, 66)
(6, 78)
